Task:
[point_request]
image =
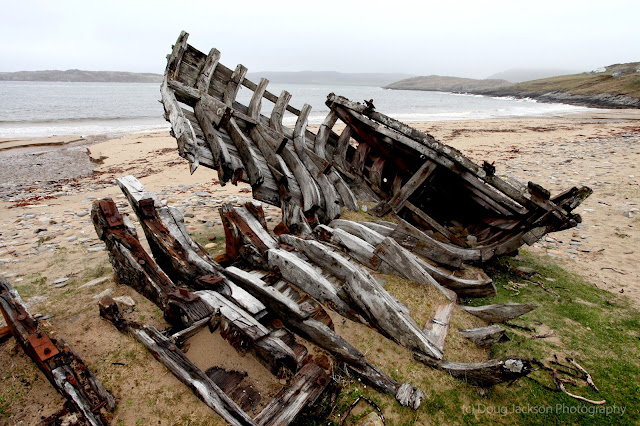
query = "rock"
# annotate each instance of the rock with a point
(61, 285)
(106, 292)
(203, 194)
(364, 208)
(82, 214)
(94, 282)
(628, 214)
(96, 249)
(212, 238)
(472, 239)
(125, 300)
(210, 245)
(39, 230)
(71, 239)
(61, 280)
(189, 215)
(208, 224)
(371, 419)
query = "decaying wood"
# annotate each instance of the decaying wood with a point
(500, 312)
(135, 268)
(60, 364)
(490, 372)
(484, 337)
(165, 351)
(5, 334)
(304, 389)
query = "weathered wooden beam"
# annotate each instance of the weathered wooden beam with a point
(499, 312)
(278, 111)
(60, 364)
(415, 182)
(165, 351)
(438, 326)
(247, 154)
(174, 59)
(135, 268)
(484, 337)
(204, 77)
(5, 334)
(231, 91)
(323, 134)
(489, 373)
(307, 385)
(433, 224)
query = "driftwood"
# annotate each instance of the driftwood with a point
(484, 337)
(499, 313)
(60, 364)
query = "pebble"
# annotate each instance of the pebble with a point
(628, 214)
(208, 224)
(39, 230)
(71, 239)
(96, 249)
(189, 215)
(61, 280)
(364, 208)
(61, 285)
(82, 214)
(210, 245)
(203, 194)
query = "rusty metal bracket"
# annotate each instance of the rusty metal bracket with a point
(111, 213)
(43, 346)
(210, 281)
(183, 294)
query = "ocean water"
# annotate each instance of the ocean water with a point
(32, 109)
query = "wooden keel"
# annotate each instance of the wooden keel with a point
(60, 364)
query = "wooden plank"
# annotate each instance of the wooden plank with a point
(415, 182)
(231, 90)
(464, 287)
(269, 96)
(304, 389)
(489, 373)
(438, 326)
(340, 153)
(359, 230)
(164, 350)
(499, 312)
(323, 134)
(484, 337)
(247, 154)
(204, 78)
(434, 224)
(60, 364)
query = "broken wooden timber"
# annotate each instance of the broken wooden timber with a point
(165, 351)
(135, 268)
(499, 312)
(60, 364)
(323, 336)
(181, 258)
(484, 337)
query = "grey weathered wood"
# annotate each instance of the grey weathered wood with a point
(204, 78)
(359, 230)
(346, 194)
(247, 154)
(256, 100)
(174, 59)
(304, 388)
(384, 230)
(163, 349)
(409, 396)
(331, 204)
(490, 372)
(433, 224)
(63, 367)
(438, 326)
(228, 166)
(484, 337)
(464, 287)
(278, 111)
(301, 274)
(418, 178)
(356, 247)
(340, 153)
(323, 134)
(499, 312)
(231, 90)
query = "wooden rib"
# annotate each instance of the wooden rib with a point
(231, 91)
(484, 337)
(269, 96)
(408, 188)
(204, 78)
(278, 111)
(182, 129)
(323, 134)
(500, 312)
(256, 99)
(438, 325)
(340, 153)
(173, 63)
(331, 203)
(247, 155)
(228, 167)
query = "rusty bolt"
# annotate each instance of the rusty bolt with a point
(172, 348)
(47, 351)
(21, 317)
(141, 261)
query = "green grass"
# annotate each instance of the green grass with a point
(600, 330)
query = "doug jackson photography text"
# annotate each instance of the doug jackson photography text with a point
(587, 410)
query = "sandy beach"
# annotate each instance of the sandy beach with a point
(50, 253)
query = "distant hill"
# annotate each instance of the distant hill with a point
(327, 78)
(82, 76)
(447, 84)
(518, 75)
(615, 86)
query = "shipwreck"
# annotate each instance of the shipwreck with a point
(274, 293)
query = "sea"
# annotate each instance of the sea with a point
(37, 109)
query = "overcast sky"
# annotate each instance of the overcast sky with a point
(445, 37)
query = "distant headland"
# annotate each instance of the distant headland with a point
(82, 76)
